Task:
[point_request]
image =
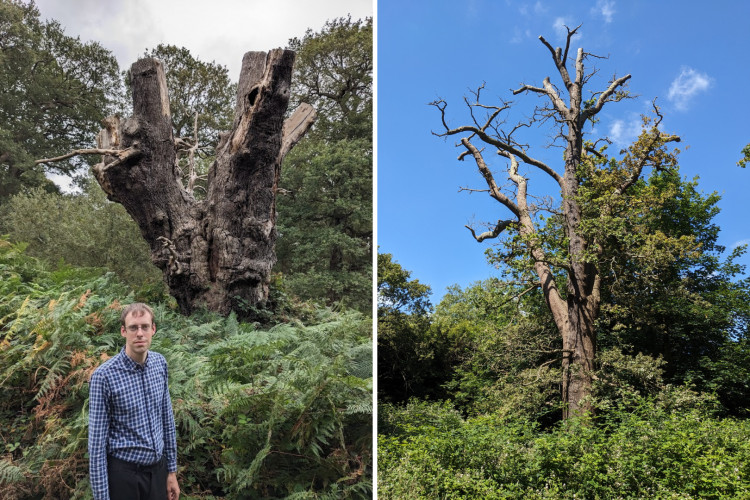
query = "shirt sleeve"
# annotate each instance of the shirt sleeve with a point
(98, 432)
(170, 434)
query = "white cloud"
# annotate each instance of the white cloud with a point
(540, 8)
(606, 8)
(520, 35)
(686, 86)
(560, 27)
(221, 33)
(623, 133)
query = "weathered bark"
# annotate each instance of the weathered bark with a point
(574, 311)
(217, 252)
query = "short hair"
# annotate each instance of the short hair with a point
(136, 307)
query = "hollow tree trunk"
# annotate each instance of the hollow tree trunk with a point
(218, 252)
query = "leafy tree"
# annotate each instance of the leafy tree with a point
(668, 292)
(536, 254)
(334, 74)
(409, 357)
(501, 348)
(83, 230)
(325, 220)
(56, 89)
(397, 293)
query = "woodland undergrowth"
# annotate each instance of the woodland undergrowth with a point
(282, 410)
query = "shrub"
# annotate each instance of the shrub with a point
(642, 450)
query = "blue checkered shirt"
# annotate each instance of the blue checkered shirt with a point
(130, 416)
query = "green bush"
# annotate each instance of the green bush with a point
(86, 230)
(281, 412)
(643, 451)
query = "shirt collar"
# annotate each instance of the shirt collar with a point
(130, 364)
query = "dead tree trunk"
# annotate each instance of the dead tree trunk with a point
(217, 252)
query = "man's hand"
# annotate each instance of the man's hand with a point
(173, 489)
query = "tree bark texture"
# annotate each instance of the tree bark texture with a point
(217, 252)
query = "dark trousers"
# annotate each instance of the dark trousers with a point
(128, 481)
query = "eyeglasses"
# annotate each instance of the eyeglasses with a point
(135, 328)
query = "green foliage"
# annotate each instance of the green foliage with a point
(324, 247)
(333, 73)
(300, 411)
(727, 375)
(667, 289)
(502, 348)
(745, 157)
(56, 89)
(82, 230)
(397, 292)
(278, 413)
(325, 230)
(647, 450)
(409, 356)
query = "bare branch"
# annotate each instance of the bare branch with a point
(501, 145)
(473, 190)
(555, 55)
(493, 233)
(567, 42)
(119, 153)
(560, 58)
(529, 88)
(489, 178)
(604, 97)
(550, 91)
(557, 102)
(296, 126)
(594, 152)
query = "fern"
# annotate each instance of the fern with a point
(271, 412)
(9, 473)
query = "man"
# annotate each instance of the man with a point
(132, 440)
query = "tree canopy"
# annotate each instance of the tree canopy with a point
(56, 90)
(406, 351)
(325, 217)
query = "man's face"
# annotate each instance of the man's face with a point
(138, 330)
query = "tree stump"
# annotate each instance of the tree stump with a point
(217, 252)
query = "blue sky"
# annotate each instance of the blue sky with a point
(692, 56)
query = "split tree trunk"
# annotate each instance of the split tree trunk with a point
(218, 252)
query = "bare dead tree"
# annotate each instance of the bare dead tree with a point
(217, 252)
(576, 308)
